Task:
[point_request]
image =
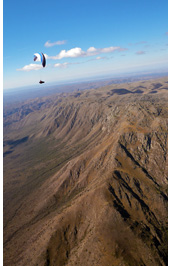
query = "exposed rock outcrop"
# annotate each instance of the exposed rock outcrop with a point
(85, 178)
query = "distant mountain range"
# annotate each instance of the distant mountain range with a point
(31, 92)
(85, 176)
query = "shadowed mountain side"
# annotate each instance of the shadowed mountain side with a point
(86, 182)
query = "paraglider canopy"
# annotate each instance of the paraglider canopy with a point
(40, 57)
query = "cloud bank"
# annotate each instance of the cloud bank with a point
(30, 67)
(50, 44)
(78, 52)
(73, 53)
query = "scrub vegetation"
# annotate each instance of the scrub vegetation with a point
(85, 177)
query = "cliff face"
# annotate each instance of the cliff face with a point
(85, 178)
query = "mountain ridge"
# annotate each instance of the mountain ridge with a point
(85, 176)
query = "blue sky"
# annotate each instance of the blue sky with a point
(82, 39)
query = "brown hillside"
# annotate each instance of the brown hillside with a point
(85, 177)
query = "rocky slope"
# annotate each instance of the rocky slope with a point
(85, 177)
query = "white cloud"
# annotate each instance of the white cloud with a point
(50, 44)
(63, 65)
(91, 50)
(73, 53)
(109, 49)
(78, 52)
(98, 58)
(30, 67)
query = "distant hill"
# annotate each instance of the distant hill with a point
(30, 92)
(85, 177)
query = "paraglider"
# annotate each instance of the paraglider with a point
(41, 58)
